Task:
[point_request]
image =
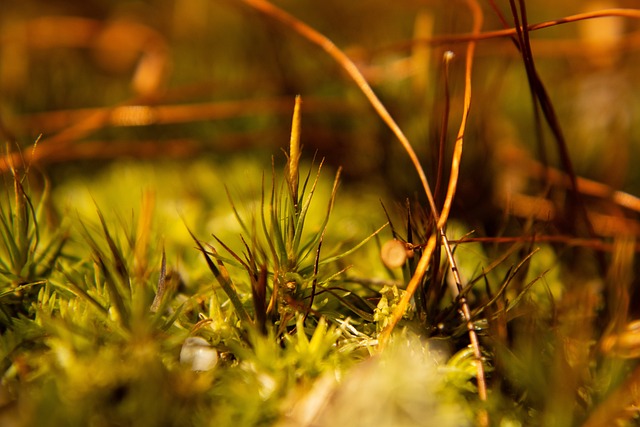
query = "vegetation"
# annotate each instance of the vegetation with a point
(448, 237)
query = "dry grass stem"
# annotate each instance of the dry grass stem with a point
(510, 32)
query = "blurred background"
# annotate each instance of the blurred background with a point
(99, 81)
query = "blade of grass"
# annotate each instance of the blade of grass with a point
(10, 242)
(235, 256)
(221, 275)
(304, 209)
(259, 294)
(143, 235)
(113, 280)
(444, 126)
(354, 248)
(275, 231)
(119, 262)
(344, 301)
(73, 287)
(503, 287)
(306, 249)
(49, 254)
(543, 102)
(21, 287)
(314, 282)
(236, 214)
(162, 285)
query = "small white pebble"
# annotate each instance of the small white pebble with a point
(198, 353)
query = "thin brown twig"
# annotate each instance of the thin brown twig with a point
(596, 244)
(448, 57)
(77, 124)
(510, 32)
(473, 337)
(483, 417)
(457, 150)
(144, 114)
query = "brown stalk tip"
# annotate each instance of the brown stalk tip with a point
(294, 149)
